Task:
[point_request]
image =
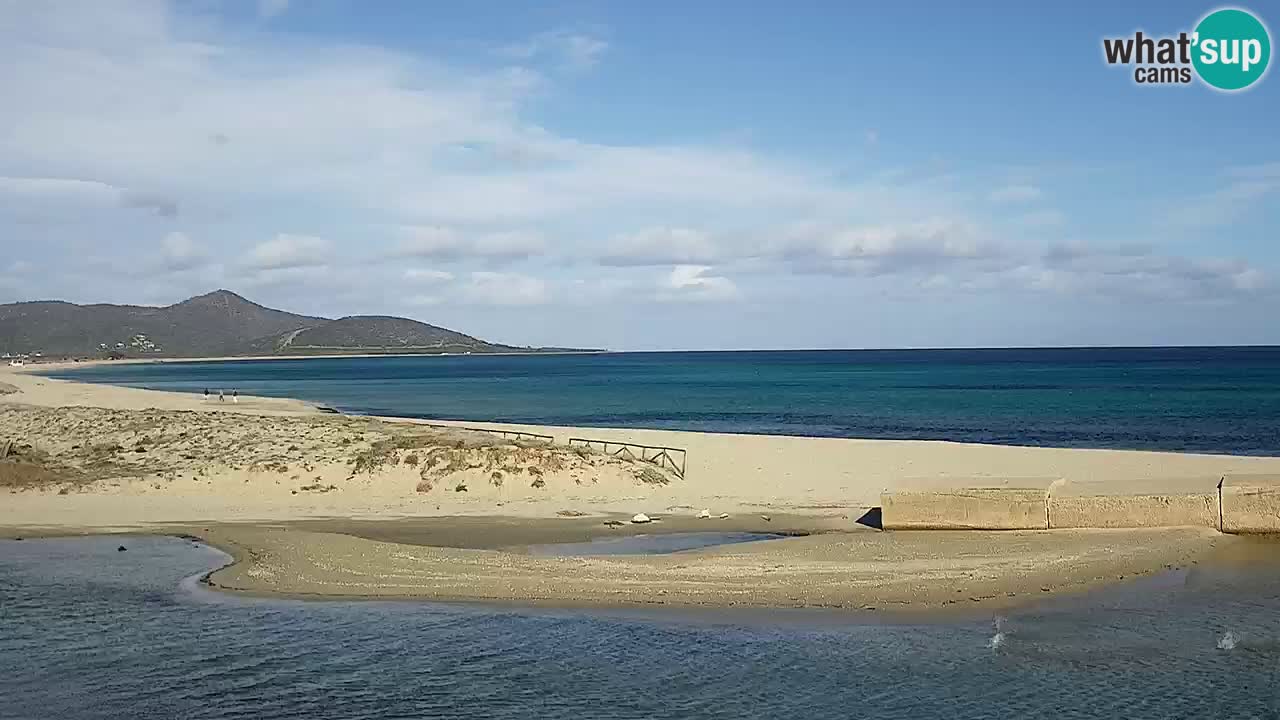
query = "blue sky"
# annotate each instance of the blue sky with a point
(642, 176)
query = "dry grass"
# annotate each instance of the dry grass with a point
(79, 445)
(651, 475)
(29, 467)
(19, 474)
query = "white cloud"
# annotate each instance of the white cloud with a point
(200, 112)
(85, 194)
(1038, 220)
(271, 8)
(584, 51)
(1080, 268)
(889, 248)
(509, 245)
(83, 191)
(961, 255)
(661, 246)
(575, 50)
(179, 253)
(1011, 194)
(420, 275)
(447, 244)
(603, 180)
(435, 287)
(1228, 203)
(284, 252)
(314, 277)
(493, 288)
(691, 282)
(155, 202)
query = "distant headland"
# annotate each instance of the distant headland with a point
(219, 324)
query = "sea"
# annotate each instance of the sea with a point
(88, 631)
(1195, 399)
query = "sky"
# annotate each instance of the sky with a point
(636, 176)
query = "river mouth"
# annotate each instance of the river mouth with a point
(655, 544)
(91, 633)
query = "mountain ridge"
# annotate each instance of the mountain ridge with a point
(217, 323)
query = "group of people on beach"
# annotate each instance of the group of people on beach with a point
(222, 396)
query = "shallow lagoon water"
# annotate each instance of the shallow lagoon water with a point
(89, 632)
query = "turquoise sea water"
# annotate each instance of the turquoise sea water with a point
(87, 632)
(1218, 400)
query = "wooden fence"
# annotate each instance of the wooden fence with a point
(668, 458)
(515, 434)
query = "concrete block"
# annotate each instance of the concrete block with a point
(1164, 502)
(953, 504)
(1251, 504)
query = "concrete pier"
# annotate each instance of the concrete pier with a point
(1167, 502)
(1250, 503)
(1231, 504)
(968, 504)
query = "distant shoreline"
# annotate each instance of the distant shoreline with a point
(93, 362)
(90, 362)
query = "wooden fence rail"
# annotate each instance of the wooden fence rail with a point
(668, 458)
(516, 434)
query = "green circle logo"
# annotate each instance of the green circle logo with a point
(1232, 49)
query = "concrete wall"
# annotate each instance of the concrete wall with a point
(1232, 504)
(1167, 502)
(1251, 504)
(966, 508)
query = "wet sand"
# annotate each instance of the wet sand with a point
(850, 570)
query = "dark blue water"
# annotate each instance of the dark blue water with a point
(87, 632)
(1218, 400)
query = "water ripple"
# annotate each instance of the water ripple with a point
(88, 634)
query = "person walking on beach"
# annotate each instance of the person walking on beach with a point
(221, 397)
(235, 396)
(206, 394)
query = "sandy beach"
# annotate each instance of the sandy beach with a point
(319, 504)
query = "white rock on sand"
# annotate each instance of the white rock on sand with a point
(704, 514)
(641, 518)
